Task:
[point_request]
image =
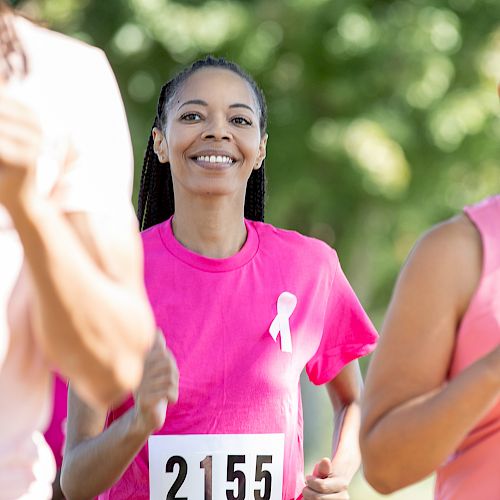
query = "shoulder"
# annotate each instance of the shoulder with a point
(293, 244)
(448, 258)
(456, 241)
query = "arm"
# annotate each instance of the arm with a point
(412, 418)
(90, 311)
(89, 308)
(95, 460)
(331, 478)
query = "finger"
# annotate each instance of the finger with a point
(156, 385)
(162, 362)
(151, 398)
(323, 468)
(327, 485)
(14, 113)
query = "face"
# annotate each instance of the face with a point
(212, 138)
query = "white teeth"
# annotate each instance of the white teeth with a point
(215, 159)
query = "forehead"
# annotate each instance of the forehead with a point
(216, 85)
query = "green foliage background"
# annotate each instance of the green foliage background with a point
(383, 115)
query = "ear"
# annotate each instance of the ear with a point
(160, 146)
(262, 152)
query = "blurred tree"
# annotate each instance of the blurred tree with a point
(383, 114)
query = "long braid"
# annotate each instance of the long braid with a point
(156, 193)
(255, 195)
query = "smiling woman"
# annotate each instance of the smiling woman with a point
(224, 286)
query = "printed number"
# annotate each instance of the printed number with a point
(263, 475)
(233, 475)
(206, 464)
(181, 476)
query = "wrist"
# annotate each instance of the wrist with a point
(26, 210)
(346, 466)
(138, 425)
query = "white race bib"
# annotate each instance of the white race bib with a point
(216, 467)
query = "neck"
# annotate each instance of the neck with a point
(211, 226)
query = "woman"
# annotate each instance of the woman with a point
(432, 399)
(244, 307)
(71, 290)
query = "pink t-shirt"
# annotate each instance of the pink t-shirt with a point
(85, 165)
(216, 315)
(473, 470)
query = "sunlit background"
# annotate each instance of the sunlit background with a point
(383, 118)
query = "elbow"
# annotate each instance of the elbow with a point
(378, 468)
(68, 487)
(379, 480)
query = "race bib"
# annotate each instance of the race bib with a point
(216, 467)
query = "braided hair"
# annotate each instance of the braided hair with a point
(156, 194)
(13, 60)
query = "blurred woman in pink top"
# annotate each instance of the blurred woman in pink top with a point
(432, 400)
(71, 290)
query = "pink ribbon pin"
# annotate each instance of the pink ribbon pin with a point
(281, 324)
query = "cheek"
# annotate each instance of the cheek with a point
(251, 146)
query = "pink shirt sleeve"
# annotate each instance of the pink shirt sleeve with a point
(348, 333)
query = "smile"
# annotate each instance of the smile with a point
(215, 159)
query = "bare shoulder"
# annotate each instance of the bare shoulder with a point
(450, 254)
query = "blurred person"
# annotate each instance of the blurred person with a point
(432, 399)
(71, 286)
(245, 307)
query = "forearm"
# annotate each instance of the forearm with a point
(346, 456)
(94, 328)
(414, 438)
(95, 464)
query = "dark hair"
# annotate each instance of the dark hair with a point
(13, 60)
(156, 194)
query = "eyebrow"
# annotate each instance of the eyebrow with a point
(204, 103)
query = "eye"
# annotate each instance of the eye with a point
(240, 120)
(191, 117)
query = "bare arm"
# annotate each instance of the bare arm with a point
(89, 308)
(332, 477)
(95, 460)
(91, 314)
(412, 418)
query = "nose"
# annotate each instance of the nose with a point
(217, 129)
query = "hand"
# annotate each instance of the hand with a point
(20, 145)
(324, 484)
(159, 385)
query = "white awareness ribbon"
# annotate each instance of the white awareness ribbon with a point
(286, 305)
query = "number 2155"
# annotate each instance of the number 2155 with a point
(233, 474)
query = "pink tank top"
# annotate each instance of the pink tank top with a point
(473, 471)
